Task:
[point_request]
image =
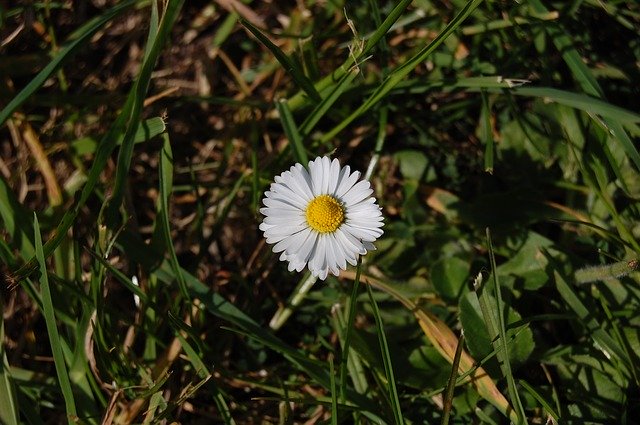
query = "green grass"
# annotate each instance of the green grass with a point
(501, 139)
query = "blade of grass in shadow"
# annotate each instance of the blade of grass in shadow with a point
(386, 358)
(292, 68)
(586, 79)
(545, 405)
(327, 82)
(119, 276)
(486, 134)
(398, 74)
(353, 302)
(166, 186)
(447, 401)
(291, 130)
(8, 401)
(355, 367)
(48, 312)
(16, 224)
(501, 344)
(603, 340)
(195, 358)
(334, 394)
(76, 40)
(589, 104)
(155, 43)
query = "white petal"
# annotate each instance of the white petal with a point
(307, 249)
(355, 241)
(351, 244)
(339, 256)
(362, 234)
(357, 193)
(334, 175)
(285, 194)
(280, 203)
(279, 220)
(326, 175)
(318, 261)
(315, 171)
(297, 241)
(303, 178)
(297, 184)
(347, 184)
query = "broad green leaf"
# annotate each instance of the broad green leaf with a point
(519, 338)
(412, 163)
(449, 276)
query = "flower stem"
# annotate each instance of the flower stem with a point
(299, 294)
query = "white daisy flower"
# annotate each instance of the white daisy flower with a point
(321, 217)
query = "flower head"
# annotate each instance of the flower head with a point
(322, 217)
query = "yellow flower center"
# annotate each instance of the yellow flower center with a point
(324, 214)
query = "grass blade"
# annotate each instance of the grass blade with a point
(323, 107)
(589, 104)
(334, 393)
(293, 69)
(155, 44)
(48, 311)
(547, 407)
(501, 345)
(166, 186)
(386, 358)
(447, 401)
(291, 130)
(486, 134)
(353, 302)
(604, 341)
(13, 215)
(147, 130)
(8, 401)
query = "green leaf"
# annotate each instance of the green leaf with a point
(449, 276)
(413, 163)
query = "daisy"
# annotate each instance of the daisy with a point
(322, 217)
